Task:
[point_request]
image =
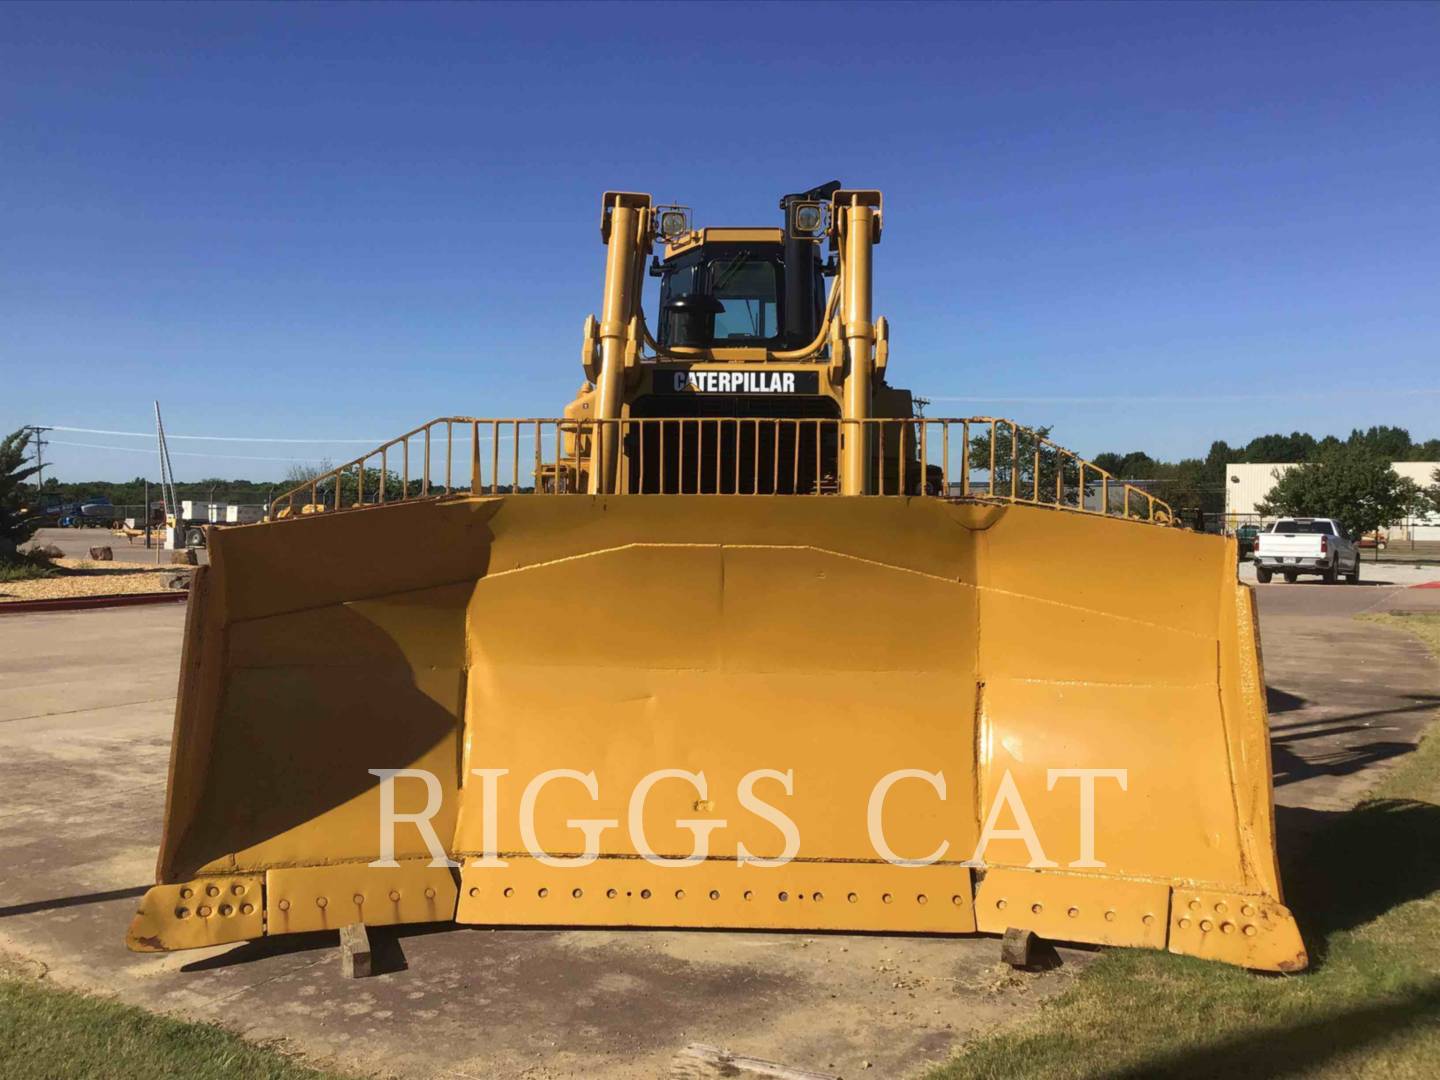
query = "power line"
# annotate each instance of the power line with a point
(546, 437)
(210, 438)
(174, 453)
(1166, 399)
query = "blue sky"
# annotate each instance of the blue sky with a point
(1148, 225)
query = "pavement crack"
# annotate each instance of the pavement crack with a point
(89, 708)
(265, 982)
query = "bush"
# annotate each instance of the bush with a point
(14, 529)
(26, 566)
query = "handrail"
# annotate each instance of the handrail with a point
(969, 459)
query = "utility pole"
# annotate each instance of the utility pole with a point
(37, 433)
(167, 484)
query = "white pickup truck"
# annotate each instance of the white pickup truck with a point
(1294, 546)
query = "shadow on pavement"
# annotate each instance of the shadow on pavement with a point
(1296, 757)
(1281, 701)
(70, 901)
(1316, 581)
(1291, 768)
(387, 954)
(262, 948)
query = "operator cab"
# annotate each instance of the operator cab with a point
(757, 291)
(745, 288)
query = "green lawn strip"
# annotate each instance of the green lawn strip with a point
(50, 1033)
(1367, 890)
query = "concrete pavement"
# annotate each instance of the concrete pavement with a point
(1347, 698)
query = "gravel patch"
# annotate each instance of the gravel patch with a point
(81, 577)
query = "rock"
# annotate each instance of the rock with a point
(178, 581)
(1018, 947)
(102, 554)
(49, 551)
(183, 558)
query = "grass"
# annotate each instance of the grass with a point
(47, 1033)
(1366, 890)
(26, 567)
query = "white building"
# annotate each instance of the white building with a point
(1247, 485)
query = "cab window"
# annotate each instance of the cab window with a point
(1323, 528)
(748, 290)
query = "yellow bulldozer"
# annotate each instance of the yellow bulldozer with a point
(741, 639)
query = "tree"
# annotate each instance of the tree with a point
(303, 472)
(1186, 486)
(1426, 451)
(1391, 443)
(1351, 484)
(1430, 496)
(1136, 465)
(1297, 446)
(325, 476)
(1015, 451)
(1219, 456)
(14, 529)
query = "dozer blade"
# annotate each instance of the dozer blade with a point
(935, 717)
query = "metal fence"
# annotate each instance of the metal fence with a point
(979, 459)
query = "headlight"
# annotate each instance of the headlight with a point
(674, 223)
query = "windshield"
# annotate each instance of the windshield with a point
(748, 291)
(1322, 527)
(723, 296)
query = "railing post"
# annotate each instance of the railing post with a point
(965, 459)
(945, 458)
(494, 457)
(1014, 462)
(475, 457)
(924, 459)
(994, 437)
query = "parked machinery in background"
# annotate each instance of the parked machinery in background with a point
(195, 516)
